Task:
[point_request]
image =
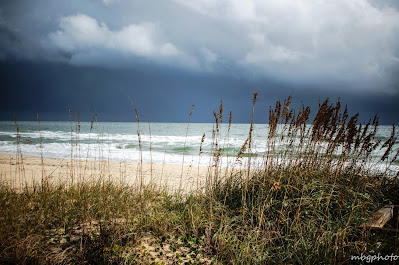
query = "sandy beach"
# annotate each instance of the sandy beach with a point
(18, 171)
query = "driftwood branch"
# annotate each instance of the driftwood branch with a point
(380, 218)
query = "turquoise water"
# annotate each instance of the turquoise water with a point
(171, 143)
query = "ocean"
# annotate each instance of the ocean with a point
(170, 143)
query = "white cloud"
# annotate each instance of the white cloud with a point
(264, 51)
(349, 40)
(108, 2)
(168, 49)
(81, 35)
(300, 41)
(210, 57)
(78, 33)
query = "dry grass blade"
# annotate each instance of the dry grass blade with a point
(302, 204)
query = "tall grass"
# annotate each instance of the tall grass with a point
(301, 203)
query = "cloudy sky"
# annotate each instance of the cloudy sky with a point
(91, 55)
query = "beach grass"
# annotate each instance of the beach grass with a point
(300, 205)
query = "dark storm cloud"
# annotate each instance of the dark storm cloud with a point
(8, 39)
(90, 55)
(159, 94)
(300, 42)
(52, 90)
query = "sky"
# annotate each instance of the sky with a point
(91, 56)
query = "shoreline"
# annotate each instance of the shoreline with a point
(19, 173)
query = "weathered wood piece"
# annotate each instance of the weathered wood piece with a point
(380, 218)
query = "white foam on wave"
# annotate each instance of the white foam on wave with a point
(121, 145)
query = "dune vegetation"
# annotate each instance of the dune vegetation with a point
(304, 204)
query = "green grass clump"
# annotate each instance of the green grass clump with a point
(300, 205)
(292, 217)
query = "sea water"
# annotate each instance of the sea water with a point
(169, 143)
